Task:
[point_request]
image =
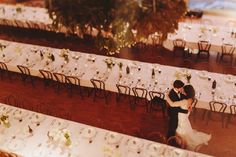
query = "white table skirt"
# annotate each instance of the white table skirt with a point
(83, 68)
(17, 139)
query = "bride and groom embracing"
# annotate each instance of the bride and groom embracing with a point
(180, 99)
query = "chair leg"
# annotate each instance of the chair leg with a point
(208, 117)
(222, 120)
(228, 120)
(204, 114)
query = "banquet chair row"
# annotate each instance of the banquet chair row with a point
(231, 115)
(140, 97)
(217, 109)
(25, 74)
(227, 50)
(61, 79)
(3, 70)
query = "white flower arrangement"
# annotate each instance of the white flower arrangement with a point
(59, 135)
(110, 63)
(18, 8)
(182, 73)
(4, 120)
(64, 54)
(66, 134)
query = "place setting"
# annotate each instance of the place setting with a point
(36, 119)
(20, 115)
(134, 147)
(113, 139)
(88, 133)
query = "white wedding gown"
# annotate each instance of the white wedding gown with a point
(192, 137)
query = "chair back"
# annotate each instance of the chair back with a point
(98, 84)
(140, 92)
(233, 109)
(46, 74)
(122, 89)
(156, 39)
(179, 43)
(153, 94)
(157, 137)
(73, 80)
(217, 106)
(227, 49)
(24, 70)
(3, 66)
(204, 46)
(60, 77)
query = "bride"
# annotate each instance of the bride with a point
(192, 137)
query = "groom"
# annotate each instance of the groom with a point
(175, 95)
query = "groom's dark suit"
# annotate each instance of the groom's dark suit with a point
(173, 113)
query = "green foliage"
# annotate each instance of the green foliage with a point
(115, 19)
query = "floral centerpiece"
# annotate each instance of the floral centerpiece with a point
(64, 54)
(18, 8)
(203, 29)
(4, 120)
(183, 73)
(67, 138)
(59, 135)
(110, 63)
(2, 46)
(50, 56)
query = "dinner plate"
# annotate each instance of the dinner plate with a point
(37, 118)
(112, 138)
(134, 144)
(203, 74)
(16, 144)
(230, 78)
(155, 150)
(4, 109)
(39, 152)
(60, 124)
(88, 132)
(174, 153)
(19, 114)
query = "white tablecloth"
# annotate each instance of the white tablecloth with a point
(27, 17)
(192, 33)
(82, 66)
(97, 143)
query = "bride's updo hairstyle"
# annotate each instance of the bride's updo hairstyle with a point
(190, 92)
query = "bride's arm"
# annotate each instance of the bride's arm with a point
(177, 103)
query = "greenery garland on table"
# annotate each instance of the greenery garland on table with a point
(118, 23)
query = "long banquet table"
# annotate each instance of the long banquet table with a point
(88, 66)
(31, 134)
(24, 16)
